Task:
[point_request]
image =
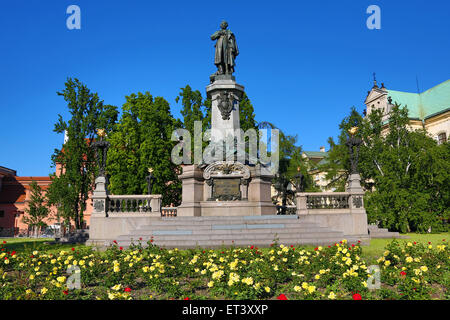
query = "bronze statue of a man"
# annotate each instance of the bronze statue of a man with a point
(226, 49)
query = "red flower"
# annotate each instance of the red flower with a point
(66, 292)
(359, 241)
(121, 248)
(315, 249)
(13, 253)
(73, 249)
(403, 273)
(353, 245)
(140, 239)
(292, 245)
(187, 298)
(357, 296)
(115, 241)
(415, 242)
(282, 297)
(127, 289)
(4, 242)
(252, 247)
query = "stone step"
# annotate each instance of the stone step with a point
(206, 236)
(219, 220)
(238, 243)
(228, 218)
(226, 226)
(200, 231)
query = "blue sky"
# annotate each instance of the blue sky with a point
(303, 63)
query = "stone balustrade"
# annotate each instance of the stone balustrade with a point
(311, 202)
(168, 211)
(133, 204)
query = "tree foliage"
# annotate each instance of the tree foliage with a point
(404, 171)
(142, 140)
(71, 186)
(37, 209)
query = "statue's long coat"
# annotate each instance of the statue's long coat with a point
(226, 48)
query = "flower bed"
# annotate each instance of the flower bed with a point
(409, 271)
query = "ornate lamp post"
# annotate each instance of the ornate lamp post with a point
(100, 194)
(101, 147)
(150, 180)
(352, 142)
(299, 181)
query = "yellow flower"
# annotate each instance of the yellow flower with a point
(31, 277)
(210, 284)
(317, 277)
(424, 268)
(28, 291)
(311, 289)
(117, 287)
(387, 263)
(304, 285)
(61, 279)
(44, 290)
(409, 259)
(267, 289)
(297, 288)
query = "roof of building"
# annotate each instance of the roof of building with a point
(315, 154)
(7, 171)
(425, 104)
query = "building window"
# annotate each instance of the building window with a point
(2, 213)
(442, 138)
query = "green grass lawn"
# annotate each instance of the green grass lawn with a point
(370, 253)
(376, 247)
(18, 244)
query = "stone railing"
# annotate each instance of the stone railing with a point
(133, 203)
(106, 205)
(168, 211)
(328, 202)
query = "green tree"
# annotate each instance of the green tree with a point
(337, 164)
(141, 140)
(37, 209)
(404, 171)
(70, 187)
(246, 114)
(290, 160)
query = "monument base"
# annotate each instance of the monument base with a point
(199, 197)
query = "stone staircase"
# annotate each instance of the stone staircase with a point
(216, 232)
(382, 233)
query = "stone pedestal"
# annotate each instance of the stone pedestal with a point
(225, 95)
(255, 197)
(99, 197)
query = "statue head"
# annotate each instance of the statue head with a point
(224, 25)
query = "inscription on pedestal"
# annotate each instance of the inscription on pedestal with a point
(226, 189)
